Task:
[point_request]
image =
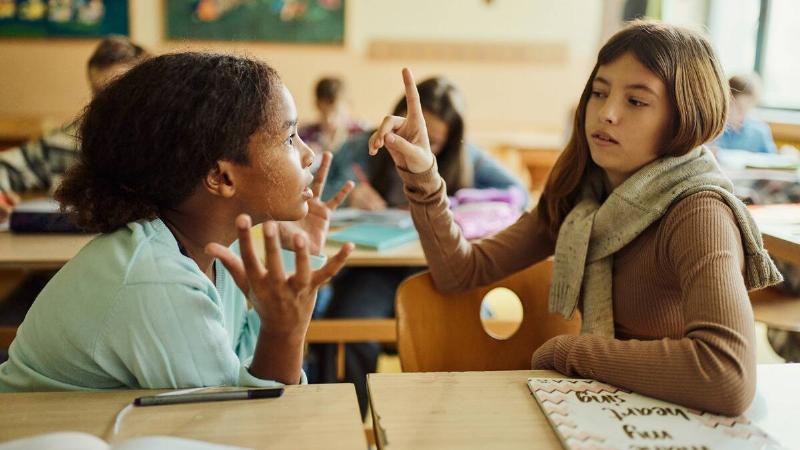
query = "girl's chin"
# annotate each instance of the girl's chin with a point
(301, 212)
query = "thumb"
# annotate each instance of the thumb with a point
(231, 262)
(416, 159)
(397, 143)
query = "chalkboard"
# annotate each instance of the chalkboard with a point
(64, 18)
(302, 21)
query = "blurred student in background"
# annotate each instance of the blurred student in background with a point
(37, 165)
(334, 124)
(743, 131)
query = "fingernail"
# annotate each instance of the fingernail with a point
(300, 244)
(269, 229)
(390, 138)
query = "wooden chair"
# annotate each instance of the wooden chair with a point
(438, 332)
(345, 331)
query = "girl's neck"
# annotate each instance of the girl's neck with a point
(194, 233)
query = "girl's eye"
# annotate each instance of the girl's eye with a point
(598, 94)
(290, 140)
(636, 102)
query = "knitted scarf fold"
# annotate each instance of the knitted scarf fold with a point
(593, 231)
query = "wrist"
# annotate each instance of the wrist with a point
(423, 165)
(283, 337)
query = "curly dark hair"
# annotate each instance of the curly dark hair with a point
(151, 136)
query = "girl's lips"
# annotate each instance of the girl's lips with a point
(308, 194)
(603, 138)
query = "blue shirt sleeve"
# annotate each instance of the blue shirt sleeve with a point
(767, 143)
(170, 335)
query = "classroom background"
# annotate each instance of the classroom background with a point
(520, 65)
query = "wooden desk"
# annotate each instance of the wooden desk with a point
(478, 410)
(780, 229)
(305, 417)
(51, 251)
(39, 251)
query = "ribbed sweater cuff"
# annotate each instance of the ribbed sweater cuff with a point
(420, 186)
(561, 350)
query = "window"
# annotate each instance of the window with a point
(760, 36)
(780, 66)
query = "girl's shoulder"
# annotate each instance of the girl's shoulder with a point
(702, 221)
(703, 203)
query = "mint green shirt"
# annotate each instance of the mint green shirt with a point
(131, 311)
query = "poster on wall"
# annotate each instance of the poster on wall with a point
(301, 21)
(63, 18)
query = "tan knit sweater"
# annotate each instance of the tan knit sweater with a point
(684, 329)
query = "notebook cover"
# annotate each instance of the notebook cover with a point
(590, 415)
(374, 236)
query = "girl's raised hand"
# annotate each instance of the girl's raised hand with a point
(406, 138)
(283, 302)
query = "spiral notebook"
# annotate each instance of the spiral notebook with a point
(590, 415)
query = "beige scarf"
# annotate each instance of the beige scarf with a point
(592, 232)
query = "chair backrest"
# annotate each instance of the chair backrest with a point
(440, 333)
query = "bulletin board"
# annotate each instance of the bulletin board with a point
(63, 18)
(298, 21)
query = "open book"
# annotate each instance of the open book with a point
(84, 441)
(588, 414)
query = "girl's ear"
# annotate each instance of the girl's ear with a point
(220, 180)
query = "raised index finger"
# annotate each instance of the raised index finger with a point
(412, 95)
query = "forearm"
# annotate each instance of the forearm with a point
(713, 370)
(278, 357)
(455, 263)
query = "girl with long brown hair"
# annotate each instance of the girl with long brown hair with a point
(649, 242)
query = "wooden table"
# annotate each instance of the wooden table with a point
(780, 229)
(51, 251)
(478, 410)
(305, 417)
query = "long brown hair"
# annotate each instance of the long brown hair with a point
(439, 97)
(685, 61)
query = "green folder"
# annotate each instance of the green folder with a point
(374, 236)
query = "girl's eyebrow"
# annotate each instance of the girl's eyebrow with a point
(635, 86)
(289, 124)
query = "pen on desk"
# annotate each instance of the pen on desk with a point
(359, 172)
(249, 394)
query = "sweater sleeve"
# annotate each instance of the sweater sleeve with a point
(455, 263)
(169, 335)
(712, 365)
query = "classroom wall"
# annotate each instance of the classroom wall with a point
(46, 78)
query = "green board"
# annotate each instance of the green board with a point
(305, 21)
(65, 18)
